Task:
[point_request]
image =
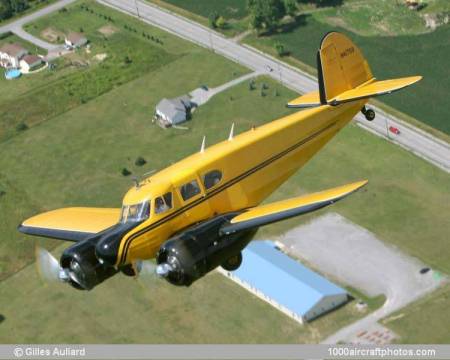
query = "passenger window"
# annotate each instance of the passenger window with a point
(189, 190)
(212, 178)
(163, 203)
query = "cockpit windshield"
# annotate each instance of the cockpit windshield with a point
(135, 213)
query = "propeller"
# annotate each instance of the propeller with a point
(48, 266)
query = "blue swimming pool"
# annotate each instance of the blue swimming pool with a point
(12, 74)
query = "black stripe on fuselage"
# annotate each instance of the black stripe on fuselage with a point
(219, 189)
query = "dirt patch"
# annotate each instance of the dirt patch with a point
(108, 30)
(101, 57)
(52, 35)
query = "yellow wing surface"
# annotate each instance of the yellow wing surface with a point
(307, 100)
(73, 224)
(280, 210)
(375, 88)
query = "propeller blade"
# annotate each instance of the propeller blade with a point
(47, 265)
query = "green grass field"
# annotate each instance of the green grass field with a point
(34, 5)
(425, 321)
(229, 9)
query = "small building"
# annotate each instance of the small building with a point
(30, 63)
(75, 40)
(284, 283)
(173, 111)
(11, 54)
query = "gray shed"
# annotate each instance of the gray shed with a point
(174, 111)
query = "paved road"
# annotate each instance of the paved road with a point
(411, 138)
(355, 257)
(16, 26)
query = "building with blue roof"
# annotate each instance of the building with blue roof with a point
(285, 283)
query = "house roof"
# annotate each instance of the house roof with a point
(283, 279)
(12, 49)
(75, 37)
(31, 59)
(170, 107)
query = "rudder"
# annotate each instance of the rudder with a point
(341, 66)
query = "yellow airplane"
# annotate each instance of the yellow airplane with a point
(201, 212)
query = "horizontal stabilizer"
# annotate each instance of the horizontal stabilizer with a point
(73, 224)
(374, 88)
(310, 99)
(281, 210)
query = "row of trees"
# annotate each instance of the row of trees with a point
(266, 14)
(8, 8)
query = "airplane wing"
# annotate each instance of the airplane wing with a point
(72, 224)
(281, 210)
(375, 88)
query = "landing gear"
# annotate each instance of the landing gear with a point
(233, 262)
(129, 270)
(368, 113)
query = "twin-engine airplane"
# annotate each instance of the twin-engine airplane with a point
(201, 212)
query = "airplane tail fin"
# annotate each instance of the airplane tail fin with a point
(345, 75)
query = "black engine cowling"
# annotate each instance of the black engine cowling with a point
(196, 251)
(83, 267)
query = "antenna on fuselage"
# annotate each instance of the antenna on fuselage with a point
(230, 137)
(202, 149)
(136, 181)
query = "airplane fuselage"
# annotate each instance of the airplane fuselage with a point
(251, 166)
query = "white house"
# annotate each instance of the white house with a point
(75, 40)
(173, 111)
(30, 62)
(11, 54)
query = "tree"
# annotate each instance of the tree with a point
(5, 9)
(18, 6)
(290, 7)
(220, 22)
(279, 47)
(213, 19)
(265, 14)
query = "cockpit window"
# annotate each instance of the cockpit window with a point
(135, 213)
(163, 203)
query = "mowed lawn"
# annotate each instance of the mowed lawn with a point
(424, 322)
(229, 9)
(389, 57)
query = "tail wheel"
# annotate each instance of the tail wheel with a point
(370, 114)
(233, 262)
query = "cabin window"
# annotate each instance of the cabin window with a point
(212, 178)
(189, 190)
(163, 203)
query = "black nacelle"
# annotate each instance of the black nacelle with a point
(200, 249)
(84, 269)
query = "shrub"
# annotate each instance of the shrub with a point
(126, 172)
(2, 193)
(21, 126)
(140, 161)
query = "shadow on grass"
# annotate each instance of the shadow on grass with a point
(323, 3)
(284, 28)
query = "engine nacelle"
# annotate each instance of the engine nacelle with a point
(82, 266)
(196, 251)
